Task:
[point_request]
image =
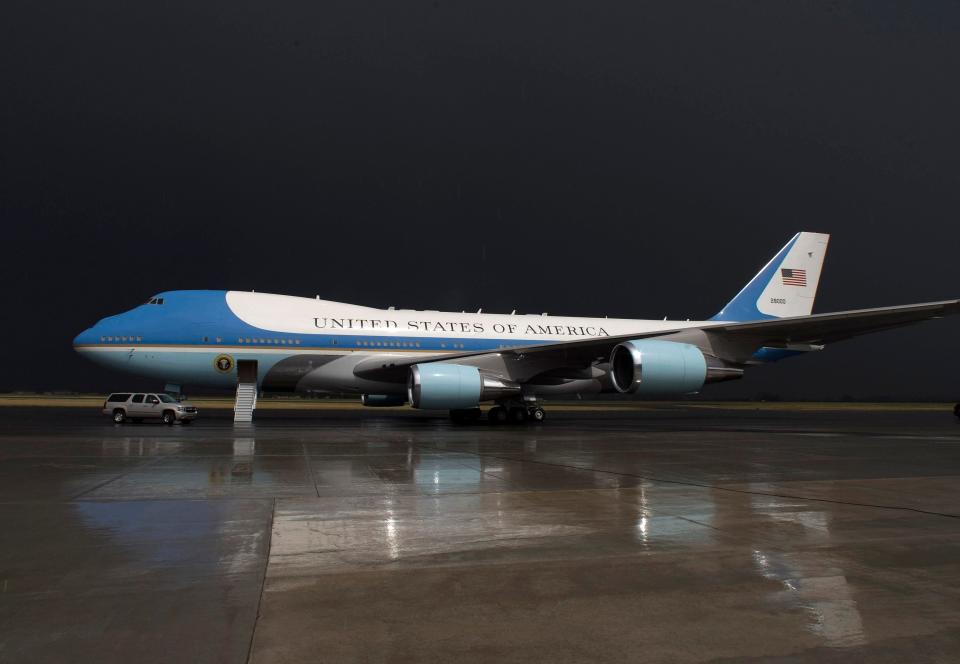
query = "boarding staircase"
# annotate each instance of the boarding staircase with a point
(246, 402)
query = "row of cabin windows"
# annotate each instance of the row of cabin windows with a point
(257, 340)
(121, 339)
(401, 344)
(391, 344)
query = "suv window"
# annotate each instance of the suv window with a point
(118, 397)
(153, 399)
(166, 398)
(137, 398)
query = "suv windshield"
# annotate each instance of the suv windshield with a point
(166, 398)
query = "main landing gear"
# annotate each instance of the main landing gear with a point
(511, 413)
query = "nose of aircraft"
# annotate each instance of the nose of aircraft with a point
(88, 336)
(85, 337)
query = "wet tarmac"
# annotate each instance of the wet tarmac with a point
(674, 535)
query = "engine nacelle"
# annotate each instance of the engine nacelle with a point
(382, 400)
(441, 386)
(652, 367)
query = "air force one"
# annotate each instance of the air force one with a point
(456, 361)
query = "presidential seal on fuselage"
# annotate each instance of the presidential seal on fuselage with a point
(223, 363)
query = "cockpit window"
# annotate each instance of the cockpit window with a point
(155, 300)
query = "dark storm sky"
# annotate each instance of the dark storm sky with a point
(633, 159)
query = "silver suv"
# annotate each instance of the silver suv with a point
(123, 406)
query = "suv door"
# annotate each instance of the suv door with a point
(152, 406)
(135, 407)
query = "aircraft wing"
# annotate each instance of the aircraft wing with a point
(813, 329)
(827, 328)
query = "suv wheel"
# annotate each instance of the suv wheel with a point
(169, 417)
(119, 416)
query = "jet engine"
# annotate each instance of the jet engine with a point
(455, 386)
(652, 367)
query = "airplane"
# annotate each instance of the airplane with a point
(455, 361)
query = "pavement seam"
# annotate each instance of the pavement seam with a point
(121, 475)
(263, 581)
(306, 456)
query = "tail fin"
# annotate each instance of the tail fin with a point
(786, 286)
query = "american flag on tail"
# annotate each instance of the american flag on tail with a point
(792, 277)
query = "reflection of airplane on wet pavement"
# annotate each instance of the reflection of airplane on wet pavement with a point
(455, 361)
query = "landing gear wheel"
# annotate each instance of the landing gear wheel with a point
(497, 415)
(169, 418)
(517, 415)
(119, 417)
(537, 414)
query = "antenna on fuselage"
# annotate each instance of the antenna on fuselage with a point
(513, 313)
(480, 310)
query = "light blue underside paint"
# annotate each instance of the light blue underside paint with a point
(185, 367)
(449, 386)
(669, 368)
(743, 307)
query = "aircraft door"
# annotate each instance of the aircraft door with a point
(247, 371)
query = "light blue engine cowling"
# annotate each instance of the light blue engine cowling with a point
(455, 386)
(651, 367)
